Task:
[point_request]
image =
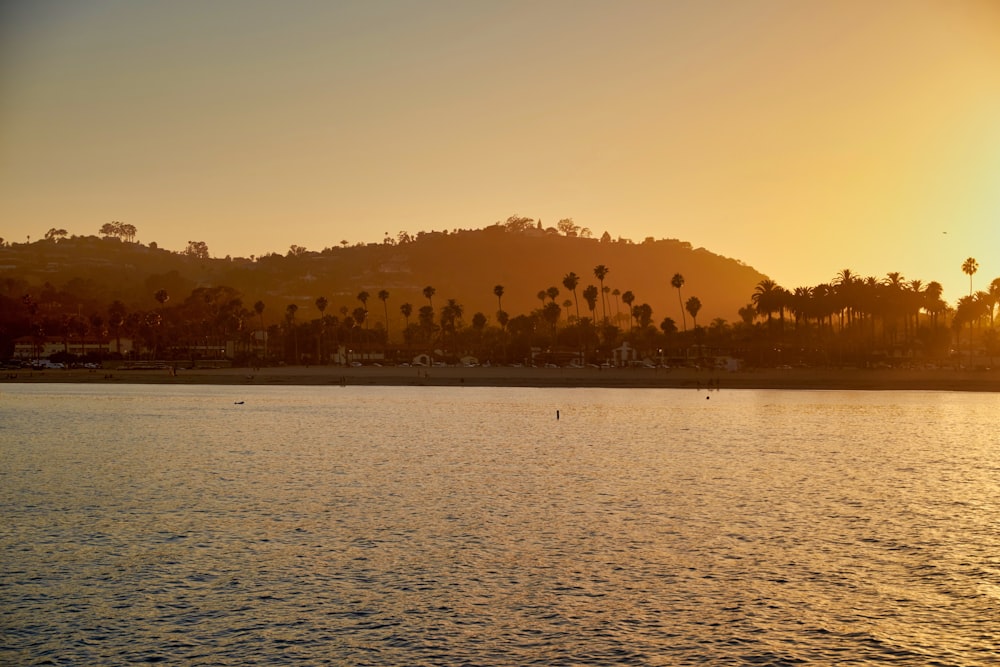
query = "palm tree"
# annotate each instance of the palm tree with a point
(766, 298)
(360, 315)
(933, 303)
(914, 302)
(799, 301)
(628, 298)
(406, 309)
(677, 282)
(968, 310)
(542, 296)
(383, 296)
(617, 293)
(429, 295)
(590, 296)
(425, 320)
(969, 267)
(894, 285)
(846, 284)
(570, 281)
(601, 272)
(552, 293)
(643, 314)
(994, 293)
(451, 314)
(498, 292)
(693, 305)
(551, 312)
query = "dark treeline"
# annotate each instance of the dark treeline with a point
(575, 318)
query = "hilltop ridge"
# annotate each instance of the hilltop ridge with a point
(89, 272)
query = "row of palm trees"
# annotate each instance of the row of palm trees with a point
(852, 314)
(851, 301)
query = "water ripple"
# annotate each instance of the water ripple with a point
(425, 526)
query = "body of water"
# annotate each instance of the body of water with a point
(470, 526)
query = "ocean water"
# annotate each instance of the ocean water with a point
(470, 526)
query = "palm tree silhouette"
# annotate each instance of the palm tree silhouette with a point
(969, 267)
(933, 303)
(629, 298)
(846, 286)
(383, 296)
(570, 281)
(693, 305)
(406, 309)
(994, 294)
(590, 296)
(894, 285)
(551, 312)
(601, 272)
(678, 281)
(429, 295)
(451, 315)
(498, 292)
(766, 298)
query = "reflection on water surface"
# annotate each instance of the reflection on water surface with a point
(367, 525)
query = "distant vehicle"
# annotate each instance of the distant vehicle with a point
(45, 364)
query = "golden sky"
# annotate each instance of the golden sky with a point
(799, 136)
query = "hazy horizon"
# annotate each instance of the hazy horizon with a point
(799, 138)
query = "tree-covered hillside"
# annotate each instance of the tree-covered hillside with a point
(513, 291)
(84, 274)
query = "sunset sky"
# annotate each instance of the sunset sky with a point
(801, 137)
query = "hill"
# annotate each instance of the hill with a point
(84, 274)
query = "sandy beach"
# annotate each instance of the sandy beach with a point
(797, 378)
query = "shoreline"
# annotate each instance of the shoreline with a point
(795, 378)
